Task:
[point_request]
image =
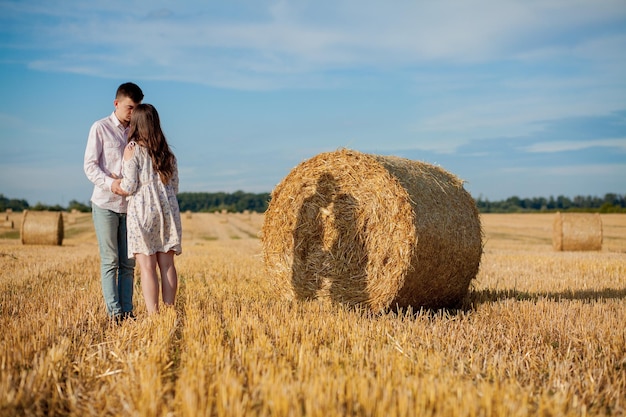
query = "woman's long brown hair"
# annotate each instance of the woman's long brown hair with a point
(145, 129)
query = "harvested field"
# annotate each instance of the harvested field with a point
(542, 334)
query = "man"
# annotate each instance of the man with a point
(103, 167)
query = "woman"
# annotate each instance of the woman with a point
(150, 177)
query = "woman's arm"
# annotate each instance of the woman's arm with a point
(130, 170)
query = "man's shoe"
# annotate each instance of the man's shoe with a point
(129, 315)
(117, 318)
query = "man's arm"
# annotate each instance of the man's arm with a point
(91, 163)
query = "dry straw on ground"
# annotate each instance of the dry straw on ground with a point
(379, 231)
(577, 232)
(42, 228)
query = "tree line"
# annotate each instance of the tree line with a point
(610, 203)
(236, 202)
(240, 201)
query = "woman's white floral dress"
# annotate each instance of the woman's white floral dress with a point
(153, 218)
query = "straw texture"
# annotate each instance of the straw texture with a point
(42, 228)
(577, 232)
(378, 231)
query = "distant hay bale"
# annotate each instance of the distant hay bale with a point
(188, 214)
(7, 224)
(42, 228)
(378, 231)
(577, 232)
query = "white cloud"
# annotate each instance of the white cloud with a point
(561, 146)
(195, 43)
(610, 171)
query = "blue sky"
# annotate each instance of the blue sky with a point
(524, 98)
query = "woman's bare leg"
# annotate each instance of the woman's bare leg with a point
(149, 281)
(169, 277)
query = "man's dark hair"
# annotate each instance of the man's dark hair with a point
(130, 90)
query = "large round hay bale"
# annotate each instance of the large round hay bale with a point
(42, 228)
(577, 232)
(378, 231)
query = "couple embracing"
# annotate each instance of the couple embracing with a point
(134, 206)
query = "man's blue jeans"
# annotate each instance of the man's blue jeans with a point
(116, 269)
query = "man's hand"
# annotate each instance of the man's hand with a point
(115, 187)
